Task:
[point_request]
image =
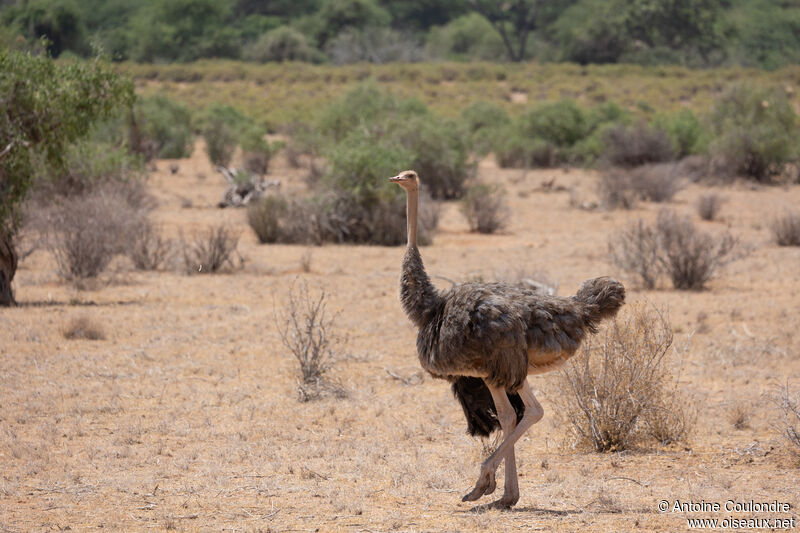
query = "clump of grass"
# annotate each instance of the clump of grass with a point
(675, 247)
(83, 327)
(709, 205)
(620, 392)
(211, 251)
(786, 229)
(485, 208)
(739, 416)
(309, 333)
(631, 146)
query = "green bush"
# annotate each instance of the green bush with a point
(281, 44)
(685, 130)
(221, 126)
(756, 132)
(483, 121)
(256, 150)
(468, 37)
(161, 127)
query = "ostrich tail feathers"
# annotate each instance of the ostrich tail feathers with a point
(603, 298)
(476, 401)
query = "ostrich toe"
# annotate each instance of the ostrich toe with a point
(485, 485)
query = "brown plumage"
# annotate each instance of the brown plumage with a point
(486, 338)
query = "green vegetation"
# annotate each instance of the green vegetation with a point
(44, 108)
(757, 33)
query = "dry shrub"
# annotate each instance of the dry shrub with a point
(622, 188)
(309, 333)
(786, 229)
(675, 247)
(632, 146)
(149, 249)
(85, 232)
(691, 257)
(620, 391)
(635, 250)
(616, 191)
(789, 405)
(211, 251)
(485, 208)
(709, 205)
(83, 327)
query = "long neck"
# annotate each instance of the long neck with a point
(412, 205)
(417, 294)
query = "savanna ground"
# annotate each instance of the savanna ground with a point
(186, 415)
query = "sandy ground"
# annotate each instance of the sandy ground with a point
(186, 416)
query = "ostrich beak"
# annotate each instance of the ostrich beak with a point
(395, 179)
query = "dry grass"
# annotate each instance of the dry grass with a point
(621, 390)
(85, 328)
(634, 249)
(709, 205)
(788, 402)
(786, 229)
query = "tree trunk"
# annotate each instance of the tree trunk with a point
(8, 267)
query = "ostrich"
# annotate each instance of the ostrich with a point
(486, 338)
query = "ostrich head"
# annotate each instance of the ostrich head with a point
(407, 179)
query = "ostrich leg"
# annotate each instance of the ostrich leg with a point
(533, 413)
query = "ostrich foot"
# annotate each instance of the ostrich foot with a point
(485, 485)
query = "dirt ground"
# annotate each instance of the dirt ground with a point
(186, 416)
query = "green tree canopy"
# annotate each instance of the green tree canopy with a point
(44, 107)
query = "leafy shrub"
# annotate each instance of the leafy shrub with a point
(256, 150)
(555, 133)
(281, 44)
(709, 205)
(675, 247)
(89, 164)
(756, 132)
(438, 152)
(483, 122)
(467, 37)
(620, 390)
(685, 130)
(485, 208)
(160, 127)
(631, 146)
(221, 127)
(786, 229)
(211, 251)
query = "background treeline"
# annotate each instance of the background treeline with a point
(756, 33)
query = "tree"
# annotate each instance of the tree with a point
(515, 20)
(43, 108)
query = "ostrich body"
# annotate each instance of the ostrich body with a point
(486, 338)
